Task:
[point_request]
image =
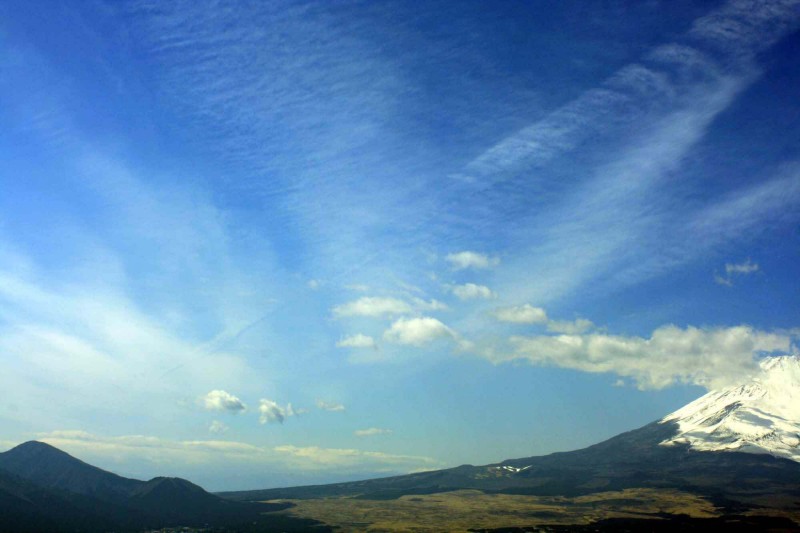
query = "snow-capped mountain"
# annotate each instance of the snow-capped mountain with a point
(762, 416)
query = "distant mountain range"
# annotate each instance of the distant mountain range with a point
(738, 447)
(43, 489)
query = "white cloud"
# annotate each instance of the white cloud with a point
(527, 314)
(466, 259)
(721, 280)
(229, 454)
(746, 210)
(747, 267)
(709, 357)
(269, 411)
(373, 306)
(295, 411)
(521, 314)
(330, 406)
(359, 340)
(470, 291)
(217, 427)
(574, 327)
(220, 400)
(740, 27)
(371, 432)
(431, 305)
(344, 457)
(314, 284)
(417, 331)
(735, 269)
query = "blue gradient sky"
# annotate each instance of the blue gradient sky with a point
(271, 243)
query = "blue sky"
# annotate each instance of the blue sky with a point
(263, 244)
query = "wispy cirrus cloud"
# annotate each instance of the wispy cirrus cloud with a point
(330, 406)
(607, 221)
(735, 269)
(738, 216)
(99, 320)
(157, 452)
(372, 432)
(217, 427)
(735, 31)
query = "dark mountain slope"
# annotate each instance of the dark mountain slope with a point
(26, 507)
(52, 468)
(741, 442)
(45, 489)
(630, 460)
(177, 501)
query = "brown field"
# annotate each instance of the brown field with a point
(466, 509)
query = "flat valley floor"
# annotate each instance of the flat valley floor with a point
(470, 510)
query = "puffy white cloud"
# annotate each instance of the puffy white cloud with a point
(371, 432)
(373, 306)
(417, 331)
(521, 314)
(574, 327)
(217, 427)
(220, 400)
(359, 340)
(527, 314)
(269, 411)
(711, 358)
(467, 259)
(470, 291)
(330, 406)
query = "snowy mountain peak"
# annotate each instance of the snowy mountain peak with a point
(762, 416)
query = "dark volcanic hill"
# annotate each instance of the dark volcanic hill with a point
(45, 489)
(26, 507)
(52, 468)
(179, 501)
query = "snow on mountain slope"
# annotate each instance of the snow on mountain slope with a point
(762, 416)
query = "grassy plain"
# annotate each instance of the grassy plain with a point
(472, 509)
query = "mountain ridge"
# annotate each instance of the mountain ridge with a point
(657, 455)
(43, 488)
(49, 467)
